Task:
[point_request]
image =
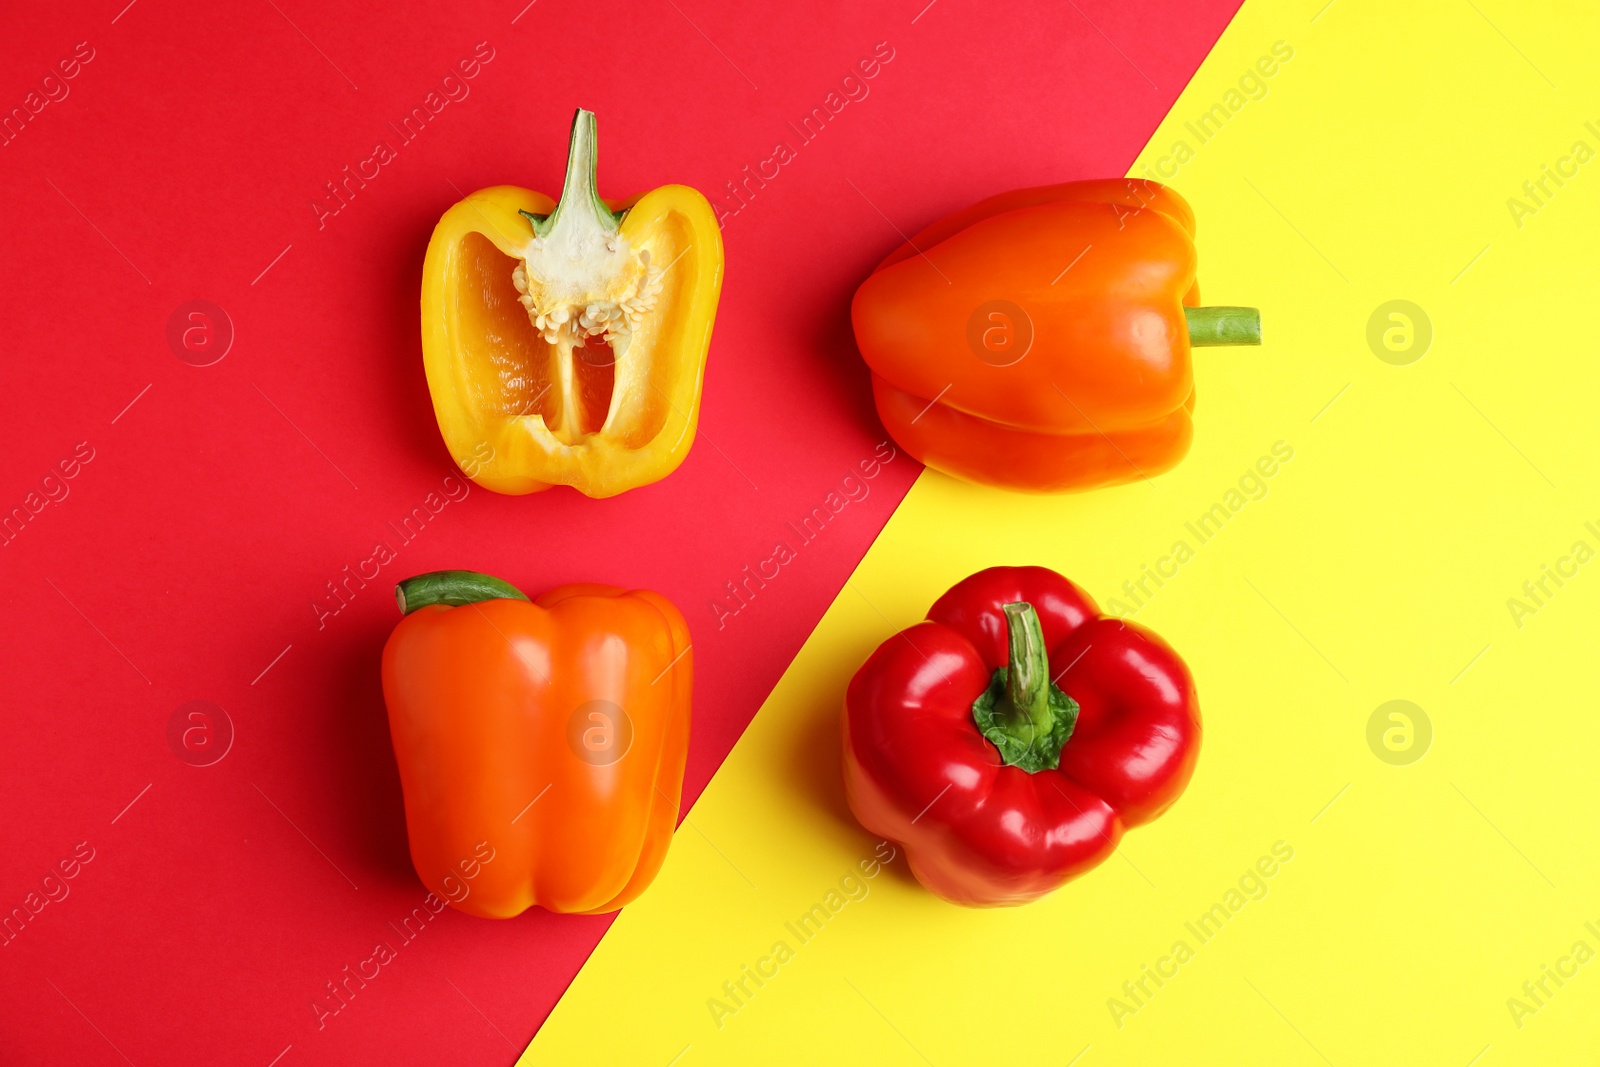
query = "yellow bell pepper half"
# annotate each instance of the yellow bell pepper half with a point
(565, 343)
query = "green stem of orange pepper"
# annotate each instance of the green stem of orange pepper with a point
(454, 588)
(1214, 326)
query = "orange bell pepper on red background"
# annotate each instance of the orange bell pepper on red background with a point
(1039, 340)
(541, 745)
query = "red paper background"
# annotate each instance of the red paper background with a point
(186, 554)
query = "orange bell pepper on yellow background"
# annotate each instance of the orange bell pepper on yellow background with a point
(565, 343)
(541, 745)
(1040, 339)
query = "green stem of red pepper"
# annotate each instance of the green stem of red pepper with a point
(1211, 326)
(452, 588)
(1023, 713)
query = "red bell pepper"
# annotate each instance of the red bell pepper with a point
(1008, 741)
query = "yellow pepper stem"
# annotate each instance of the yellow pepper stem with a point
(580, 193)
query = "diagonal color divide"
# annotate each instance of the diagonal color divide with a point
(1365, 533)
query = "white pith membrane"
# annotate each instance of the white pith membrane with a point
(567, 306)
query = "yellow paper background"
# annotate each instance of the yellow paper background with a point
(1378, 566)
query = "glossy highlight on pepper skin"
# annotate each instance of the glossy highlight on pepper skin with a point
(1096, 276)
(491, 705)
(918, 772)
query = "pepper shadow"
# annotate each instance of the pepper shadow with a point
(836, 341)
(367, 795)
(810, 767)
(407, 402)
